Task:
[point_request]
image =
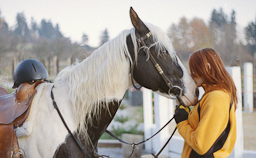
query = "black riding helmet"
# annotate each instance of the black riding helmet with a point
(29, 70)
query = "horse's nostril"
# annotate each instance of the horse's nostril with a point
(196, 92)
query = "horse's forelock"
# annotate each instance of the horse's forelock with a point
(161, 40)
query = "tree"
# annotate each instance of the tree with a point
(34, 27)
(217, 25)
(21, 28)
(172, 33)
(231, 34)
(200, 34)
(47, 30)
(57, 33)
(184, 32)
(34, 30)
(223, 32)
(104, 37)
(85, 39)
(5, 38)
(250, 33)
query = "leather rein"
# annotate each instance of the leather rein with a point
(157, 66)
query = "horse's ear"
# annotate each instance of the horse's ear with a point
(137, 23)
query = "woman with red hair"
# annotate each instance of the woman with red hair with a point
(209, 129)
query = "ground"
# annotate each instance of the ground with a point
(249, 130)
(249, 133)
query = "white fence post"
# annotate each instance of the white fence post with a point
(237, 152)
(162, 116)
(148, 117)
(248, 87)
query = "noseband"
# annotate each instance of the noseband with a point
(174, 91)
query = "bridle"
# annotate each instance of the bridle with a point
(174, 90)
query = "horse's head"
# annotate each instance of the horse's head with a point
(155, 64)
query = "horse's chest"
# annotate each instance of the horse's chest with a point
(68, 149)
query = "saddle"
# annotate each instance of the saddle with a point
(14, 110)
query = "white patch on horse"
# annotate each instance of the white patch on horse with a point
(44, 131)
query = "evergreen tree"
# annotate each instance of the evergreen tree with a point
(217, 25)
(5, 43)
(47, 30)
(223, 31)
(21, 28)
(250, 32)
(34, 27)
(104, 37)
(231, 34)
(57, 33)
(34, 30)
(85, 39)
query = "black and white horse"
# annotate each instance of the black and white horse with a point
(89, 93)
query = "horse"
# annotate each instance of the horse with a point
(89, 93)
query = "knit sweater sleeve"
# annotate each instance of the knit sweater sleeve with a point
(213, 120)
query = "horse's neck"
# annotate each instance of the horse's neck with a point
(99, 126)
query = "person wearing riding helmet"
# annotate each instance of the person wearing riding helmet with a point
(29, 70)
(209, 129)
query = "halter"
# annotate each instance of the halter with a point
(172, 88)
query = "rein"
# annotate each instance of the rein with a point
(134, 145)
(65, 124)
(157, 66)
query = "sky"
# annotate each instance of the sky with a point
(92, 17)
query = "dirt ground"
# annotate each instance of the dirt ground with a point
(249, 130)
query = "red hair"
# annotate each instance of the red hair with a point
(207, 64)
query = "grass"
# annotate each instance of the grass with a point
(121, 118)
(118, 131)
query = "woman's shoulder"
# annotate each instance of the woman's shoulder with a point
(216, 97)
(218, 93)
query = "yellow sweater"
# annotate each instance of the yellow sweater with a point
(200, 136)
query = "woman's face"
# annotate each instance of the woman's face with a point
(199, 81)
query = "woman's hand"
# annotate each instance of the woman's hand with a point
(181, 114)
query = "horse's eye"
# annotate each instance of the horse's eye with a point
(165, 53)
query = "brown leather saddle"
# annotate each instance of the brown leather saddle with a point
(14, 110)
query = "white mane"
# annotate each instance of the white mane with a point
(104, 76)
